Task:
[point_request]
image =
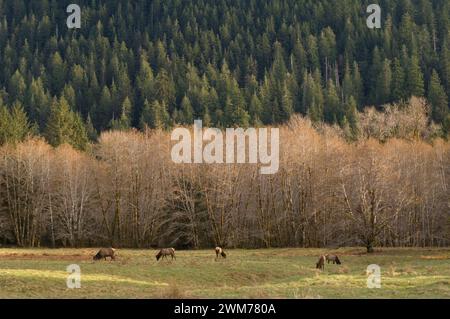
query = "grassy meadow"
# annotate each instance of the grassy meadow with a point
(271, 273)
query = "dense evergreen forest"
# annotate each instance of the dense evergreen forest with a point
(230, 62)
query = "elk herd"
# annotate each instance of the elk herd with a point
(220, 253)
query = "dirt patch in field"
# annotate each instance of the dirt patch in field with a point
(437, 257)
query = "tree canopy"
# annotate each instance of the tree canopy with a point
(230, 62)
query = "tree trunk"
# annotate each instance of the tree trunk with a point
(369, 247)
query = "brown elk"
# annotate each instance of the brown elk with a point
(321, 263)
(105, 252)
(333, 258)
(163, 253)
(220, 252)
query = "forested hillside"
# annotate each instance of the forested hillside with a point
(230, 62)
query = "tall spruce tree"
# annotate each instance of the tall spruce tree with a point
(414, 79)
(187, 111)
(333, 111)
(438, 99)
(65, 126)
(14, 124)
(398, 84)
(124, 121)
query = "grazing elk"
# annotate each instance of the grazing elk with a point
(333, 258)
(220, 252)
(105, 252)
(163, 253)
(321, 263)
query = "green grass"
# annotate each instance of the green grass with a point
(272, 273)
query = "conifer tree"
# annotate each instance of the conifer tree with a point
(398, 85)
(328, 51)
(358, 86)
(187, 111)
(145, 80)
(207, 121)
(165, 89)
(415, 85)
(58, 73)
(313, 98)
(124, 121)
(376, 71)
(351, 115)
(438, 99)
(333, 109)
(287, 103)
(347, 84)
(241, 118)
(79, 138)
(65, 126)
(17, 87)
(90, 130)
(103, 113)
(69, 95)
(255, 110)
(38, 103)
(313, 52)
(406, 31)
(14, 124)
(384, 83)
